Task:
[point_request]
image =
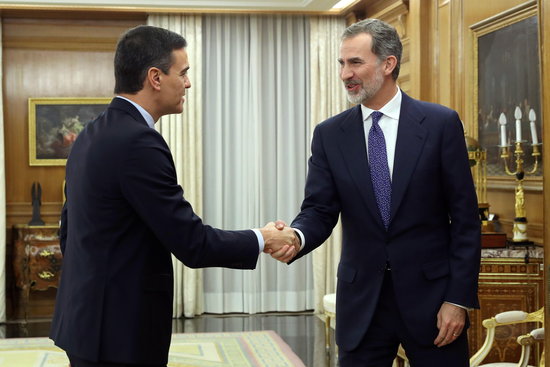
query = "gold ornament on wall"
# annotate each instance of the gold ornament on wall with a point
(478, 165)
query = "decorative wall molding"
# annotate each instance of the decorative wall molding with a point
(389, 11)
(21, 213)
(191, 6)
(530, 184)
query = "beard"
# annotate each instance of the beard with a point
(366, 92)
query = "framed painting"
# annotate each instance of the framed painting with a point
(54, 124)
(507, 80)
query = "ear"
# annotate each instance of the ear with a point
(153, 78)
(390, 64)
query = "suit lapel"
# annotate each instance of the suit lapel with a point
(411, 136)
(354, 149)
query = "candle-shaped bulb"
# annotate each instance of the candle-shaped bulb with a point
(517, 115)
(502, 119)
(532, 115)
(502, 122)
(532, 119)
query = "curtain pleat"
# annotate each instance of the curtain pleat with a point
(183, 133)
(327, 99)
(256, 130)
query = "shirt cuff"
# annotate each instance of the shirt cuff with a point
(302, 238)
(261, 243)
(463, 307)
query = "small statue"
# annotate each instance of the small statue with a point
(520, 221)
(36, 194)
(520, 202)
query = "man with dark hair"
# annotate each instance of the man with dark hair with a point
(396, 170)
(125, 214)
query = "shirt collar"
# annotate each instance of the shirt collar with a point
(390, 109)
(148, 118)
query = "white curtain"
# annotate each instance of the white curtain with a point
(2, 205)
(256, 129)
(327, 99)
(183, 133)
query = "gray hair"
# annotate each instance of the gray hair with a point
(385, 40)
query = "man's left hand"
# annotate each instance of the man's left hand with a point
(450, 322)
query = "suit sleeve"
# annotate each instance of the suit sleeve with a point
(148, 182)
(321, 206)
(465, 242)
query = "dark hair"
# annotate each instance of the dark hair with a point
(139, 49)
(385, 40)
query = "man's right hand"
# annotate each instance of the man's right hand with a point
(280, 241)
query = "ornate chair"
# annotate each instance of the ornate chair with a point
(508, 318)
(526, 341)
(401, 360)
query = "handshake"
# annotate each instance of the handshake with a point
(280, 241)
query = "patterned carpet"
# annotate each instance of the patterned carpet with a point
(244, 349)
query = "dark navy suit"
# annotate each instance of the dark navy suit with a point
(433, 240)
(125, 214)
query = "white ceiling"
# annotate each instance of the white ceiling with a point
(272, 5)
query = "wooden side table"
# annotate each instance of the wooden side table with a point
(37, 259)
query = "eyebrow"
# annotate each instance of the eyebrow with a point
(351, 59)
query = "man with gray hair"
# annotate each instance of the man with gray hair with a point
(396, 170)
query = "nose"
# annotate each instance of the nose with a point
(187, 82)
(345, 72)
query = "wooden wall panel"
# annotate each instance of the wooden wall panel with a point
(396, 13)
(49, 58)
(423, 56)
(444, 47)
(544, 12)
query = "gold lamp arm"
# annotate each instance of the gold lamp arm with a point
(536, 155)
(505, 154)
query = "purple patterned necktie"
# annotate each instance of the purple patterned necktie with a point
(379, 170)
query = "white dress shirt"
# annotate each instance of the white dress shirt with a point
(389, 122)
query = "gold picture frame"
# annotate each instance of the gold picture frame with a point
(507, 74)
(54, 124)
